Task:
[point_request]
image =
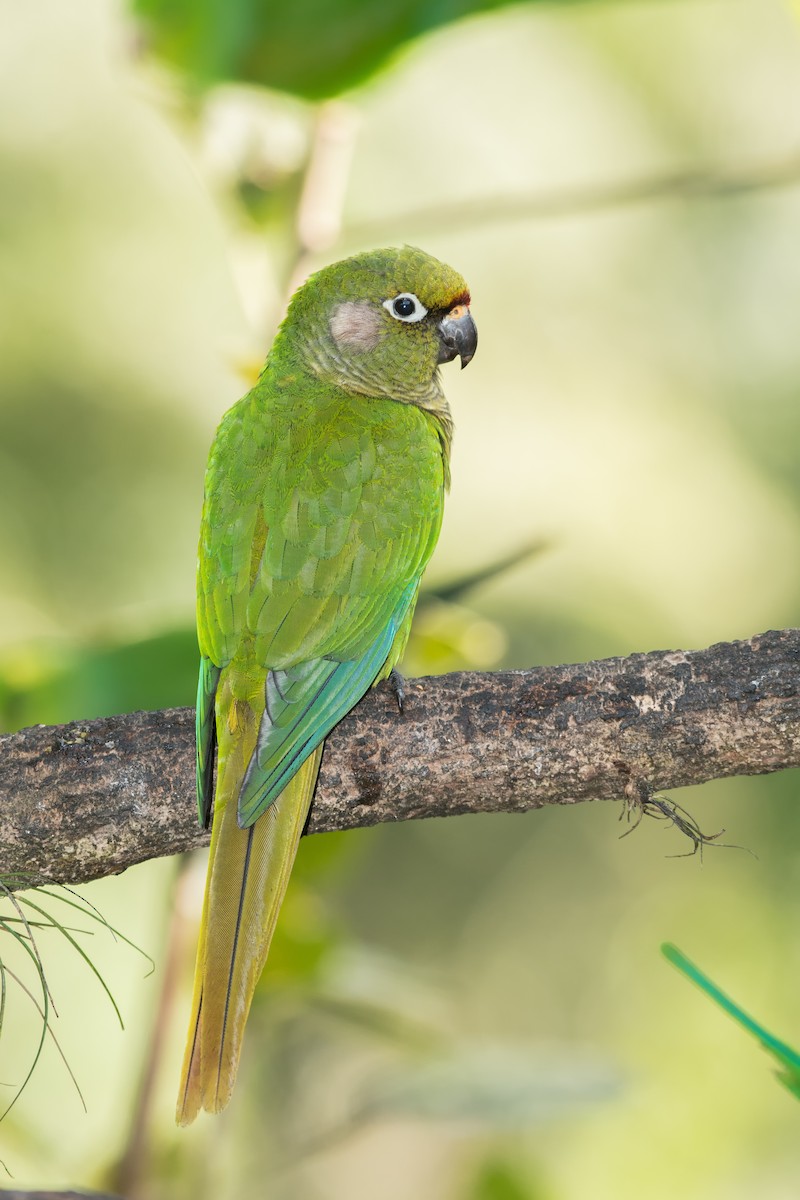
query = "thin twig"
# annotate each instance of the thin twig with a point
(321, 207)
(132, 1170)
(700, 183)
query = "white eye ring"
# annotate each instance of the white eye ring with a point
(406, 307)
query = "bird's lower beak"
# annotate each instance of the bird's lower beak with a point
(458, 336)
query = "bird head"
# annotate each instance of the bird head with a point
(382, 322)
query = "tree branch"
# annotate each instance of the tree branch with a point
(88, 799)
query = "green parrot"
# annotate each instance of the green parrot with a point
(323, 503)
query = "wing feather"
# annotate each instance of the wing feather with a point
(302, 704)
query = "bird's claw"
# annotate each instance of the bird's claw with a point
(398, 685)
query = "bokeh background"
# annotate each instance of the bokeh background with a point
(470, 1009)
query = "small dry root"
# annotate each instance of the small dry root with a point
(639, 800)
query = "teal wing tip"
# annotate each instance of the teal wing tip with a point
(788, 1059)
(257, 792)
(248, 813)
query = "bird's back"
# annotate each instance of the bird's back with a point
(334, 509)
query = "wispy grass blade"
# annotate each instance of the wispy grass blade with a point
(25, 920)
(80, 950)
(43, 1009)
(90, 910)
(46, 1028)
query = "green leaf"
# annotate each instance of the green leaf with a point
(787, 1058)
(312, 48)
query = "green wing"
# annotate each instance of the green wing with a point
(302, 705)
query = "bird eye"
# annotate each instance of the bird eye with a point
(406, 307)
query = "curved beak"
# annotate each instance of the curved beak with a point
(458, 336)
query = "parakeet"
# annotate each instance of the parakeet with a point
(323, 503)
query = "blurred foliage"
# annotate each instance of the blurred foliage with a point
(498, 1085)
(52, 684)
(633, 406)
(311, 48)
(498, 1180)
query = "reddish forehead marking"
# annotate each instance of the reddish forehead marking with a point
(461, 298)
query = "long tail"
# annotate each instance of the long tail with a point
(248, 872)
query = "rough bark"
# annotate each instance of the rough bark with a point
(90, 798)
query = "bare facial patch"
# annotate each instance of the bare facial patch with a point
(357, 325)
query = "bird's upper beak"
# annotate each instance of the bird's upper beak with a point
(458, 336)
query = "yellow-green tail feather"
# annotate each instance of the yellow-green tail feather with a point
(247, 876)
